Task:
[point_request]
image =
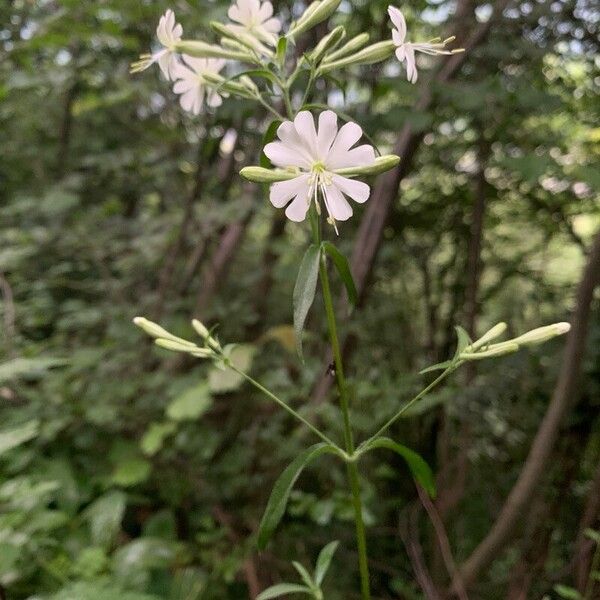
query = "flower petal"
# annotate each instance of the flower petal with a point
(272, 25)
(347, 136)
(265, 11)
(283, 191)
(337, 206)
(411, 64)
(282, 155)
(398, 20)
(305, 126)
(297, 209)
(357, 157)
(327, 131)
(357, 190)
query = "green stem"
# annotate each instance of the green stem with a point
(353, 478)
(285, 406)
(418, 397)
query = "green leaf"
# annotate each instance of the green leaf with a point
(419, 468)
(324, 561)
(437, 367)
(282, 488)
(343, 268)
(268, 137)
(281, 50)
(11, 438)
(28, 367)
(304, 291)
(131, 472)
(191, 404)
(567, 592)
(154, 438)
(593, 535)
(104, 516)
(146, 553)
(303, 573)
(282, 588)
(464, 339)
(223, 380)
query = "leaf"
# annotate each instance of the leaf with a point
(11, 438)
(303, 573)
(190, 404)
(104, 516)
(268, 137)
(567, 592)
(154, 438)
(282, 588)
(464, 339)
(304, 291)
(146, 553)
(343, 268)
(222, 380)
(28, 367)
(324, 561)
(437, 367)
(281, 50)
(97, 591)
(282, 488)
(592, 535)
(419, 468)
(284, 334)
(131, 472)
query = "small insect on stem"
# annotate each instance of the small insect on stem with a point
(331, 370)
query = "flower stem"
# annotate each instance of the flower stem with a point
(353, 478)
(285, 406)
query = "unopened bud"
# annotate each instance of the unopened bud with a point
(200, 328)
(225, 85)
(493, 351)
(204, 50)
(329, 42)
(380, 165)
(244, 39)
(542, 334)
(169, 344)
(156, 331)
(371, 54)
(356, 43)
(495, 332)
(313, 15)
(262, 175)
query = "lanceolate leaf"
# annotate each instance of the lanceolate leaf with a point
(304, 291)
(419, 468)
(463, 339)
(437, 367)
(343, 268)
(282, 488)
(268, 137)
(280, 589)
(323, 561)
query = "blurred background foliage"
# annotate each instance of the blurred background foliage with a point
(128, 473)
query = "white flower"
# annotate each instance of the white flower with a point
(318, 155)
(405, 51)
(190, 82)
(168, 32)
(256, 18)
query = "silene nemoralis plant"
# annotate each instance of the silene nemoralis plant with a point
(317, 164)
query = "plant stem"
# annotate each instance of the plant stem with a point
(420, 395)
(285, 406)
(353, 477)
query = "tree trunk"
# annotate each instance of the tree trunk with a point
(537, 461)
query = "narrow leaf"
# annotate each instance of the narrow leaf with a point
(304, 574)
(268, 137)
(343, 268)
(282, 588)
(324, 561)
(11, 438)
(282, 488)
(437, 367)
(304, 291)
(464, 339)
(419, 468)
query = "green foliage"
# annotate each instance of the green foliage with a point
(304, 291)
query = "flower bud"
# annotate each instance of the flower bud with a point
(329, 42)
(542, 334)
(380, 165)
(262, 175)
(371, 54)
(313, 15)
(495, 332)
(225, 85)
(200, 328)
(204, 50)
(356, 43)
(250, 42)
(493, 351)
(156, 331)
(169, 344)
